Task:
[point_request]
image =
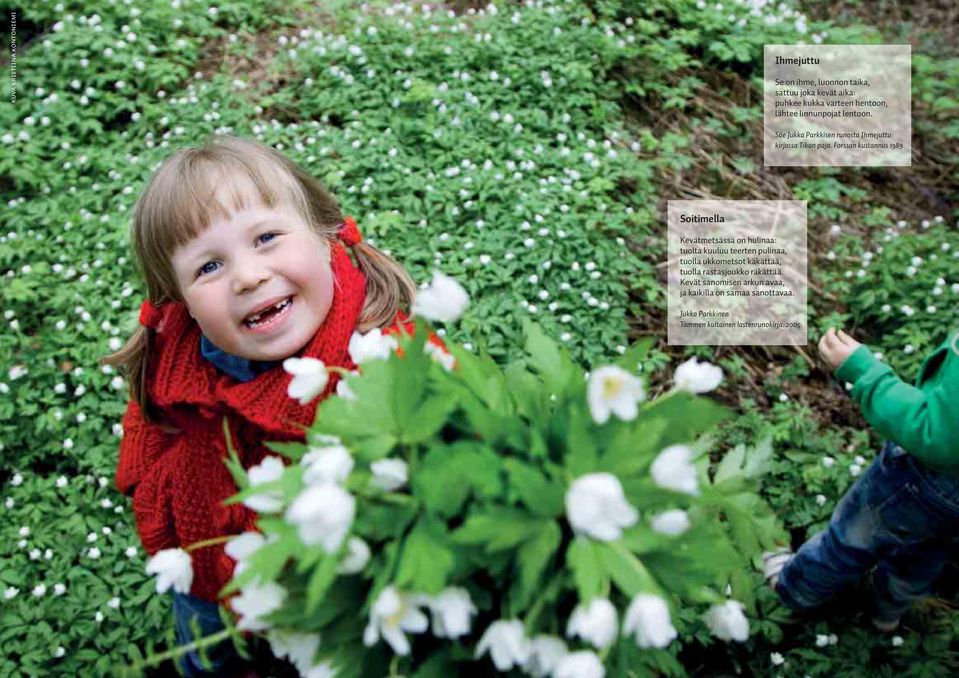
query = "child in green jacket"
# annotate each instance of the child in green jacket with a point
(902, 514)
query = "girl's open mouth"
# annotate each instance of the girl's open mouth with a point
(270, 318)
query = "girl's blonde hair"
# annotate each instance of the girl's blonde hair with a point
(179, 203)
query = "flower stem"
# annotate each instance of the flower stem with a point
(209, 542)
(342, 371)
(181, 650)
(541, 600)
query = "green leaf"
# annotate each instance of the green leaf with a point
(532, 558)
(624, 568)
(632, 360)
(582, 457)
(527, 392)
(483, 378)
(291, 450)
(429, 418)
(438, 665)
(498, 529)
(320, 581)
(384, 521)
(588, 571)
(632, 447)
(371, 414)
(759, 459)
(447, 474)
(688, 416)
(426, 560)
(731, 465)
(752, 524)
(374, 447)
(267, 562)
(409, 378)
(549, 361)
(542, 495)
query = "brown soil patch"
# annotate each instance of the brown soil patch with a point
(911, 193)
(260, 71)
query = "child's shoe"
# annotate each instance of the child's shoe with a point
(773, 563)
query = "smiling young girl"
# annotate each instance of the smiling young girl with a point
(246, 260)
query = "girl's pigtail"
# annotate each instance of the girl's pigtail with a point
(132, 362)
(389, 288)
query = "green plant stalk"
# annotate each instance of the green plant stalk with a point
(181, 650)
(213, 541)
(537, 608)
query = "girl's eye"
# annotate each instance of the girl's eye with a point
(203, 269)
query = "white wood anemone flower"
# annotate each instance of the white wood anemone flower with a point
(267, 471)
(389, 474)
(582, 664)
(597, 507)
(309, 378)
(241, 547)
(507, 644)
(673, 469)
(357, 556)
(673, 522)
(443, 300)
(374, 345)
(256, 601)
(545, 653)
(452, 610)
(697, 377)
(727, 621)
(344, 391)
(393, 615)
(174, 568)
(613, 390)
(648, 620)
(323, 514)
(438, 354)
(330, 464)
(595, 621)
(300, 649)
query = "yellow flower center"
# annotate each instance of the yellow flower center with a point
(612, 386)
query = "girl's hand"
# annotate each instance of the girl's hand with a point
(836, 347)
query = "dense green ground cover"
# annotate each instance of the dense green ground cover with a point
(527, 151)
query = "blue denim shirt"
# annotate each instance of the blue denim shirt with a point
(239, 368)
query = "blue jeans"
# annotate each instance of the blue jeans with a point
(207, 614)
(900, 516)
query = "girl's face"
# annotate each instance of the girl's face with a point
(259, 256)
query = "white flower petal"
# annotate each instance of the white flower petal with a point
(647, 618)
(612, 389)
(444, 300)
(673, 469)
(597, 507)
(174, 568)
(697, 377)
(596, 622)
(727, 621)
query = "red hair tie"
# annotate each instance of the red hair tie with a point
(349, 234)
(150, 315)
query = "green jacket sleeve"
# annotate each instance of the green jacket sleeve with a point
(923, 421)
